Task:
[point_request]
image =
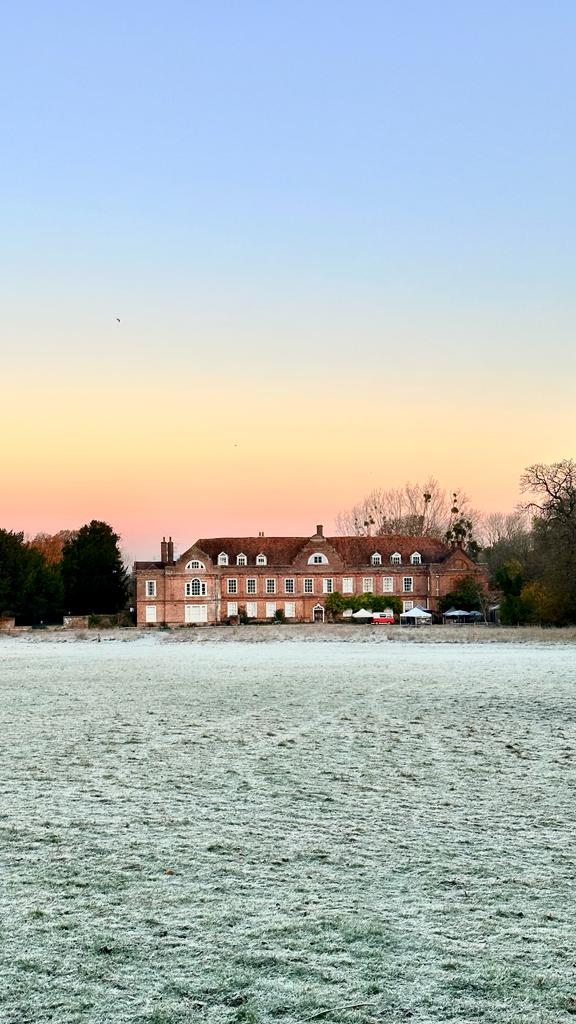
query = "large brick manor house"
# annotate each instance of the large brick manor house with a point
(221, 577)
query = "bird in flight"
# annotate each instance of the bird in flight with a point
(118, 319)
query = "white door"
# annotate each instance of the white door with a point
(195, 613)
(150, 613)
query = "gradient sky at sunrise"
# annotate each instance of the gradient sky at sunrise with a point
(340, 238)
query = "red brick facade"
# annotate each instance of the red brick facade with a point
(219, 578)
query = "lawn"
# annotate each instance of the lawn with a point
(284, 833)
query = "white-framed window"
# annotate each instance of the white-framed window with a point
(195, 588)
(270, 586)
(250, 586)
(289, 587)
(195, 613)
(396, 558)
(309, 586)
(407, 584)
(251, 609)
(368, 585)
(241, 560)
(416, 558)
(407, 606)
(387, 584)
(376, 558)
(347, 585)
(150, 613)
(231, 586)
(232, 608)
(222, 558)
(194, 563)
(327, 586)
(261, 560)
(290, 609)
(150, 588)
(270, 609)
(317, 559)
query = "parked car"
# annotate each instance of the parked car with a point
(385, 618)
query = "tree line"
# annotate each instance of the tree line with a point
(530, 553)
(73, 572)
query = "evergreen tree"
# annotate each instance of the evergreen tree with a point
(30, 589)
(94, 577)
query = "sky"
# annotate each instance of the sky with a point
(259, 259)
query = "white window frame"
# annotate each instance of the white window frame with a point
(194, 563)
(251, 585)
(327, 585)
(261, 559)
(376, 558)
(200, 590)
(290, 609)
(252, 609)
(416, 558)
(367, 584)
(270, 586)
(318, 558)
(387, 584)
(232, 586)
(151, 613)
(232, 608)
(151, 590)
(222, 558)
(290, 586)
(309, 585)
(407, 584)
(407, 606)
(347, 584)
(241, 559)
(195, 613)
(396, 558)
(270, 609)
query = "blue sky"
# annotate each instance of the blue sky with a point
(261, 191)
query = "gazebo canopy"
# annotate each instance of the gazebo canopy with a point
(457, 613)
(416, 613)
(362, 613)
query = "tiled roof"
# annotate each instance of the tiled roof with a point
(278, 550)
(352, 550)
(359, 550)
(148, 565)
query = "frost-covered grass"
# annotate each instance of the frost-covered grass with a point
(259, 833)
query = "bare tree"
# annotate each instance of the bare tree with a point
(554, 487)
(414, 510)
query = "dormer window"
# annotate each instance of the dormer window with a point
(261, 560)
(195, 563)
(376, 559)
(416, 558)
(396, 558)
(241, 560)
(317, 559)
(222, 558)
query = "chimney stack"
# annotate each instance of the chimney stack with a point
(164, 551)
(170, 551)
(319, 531)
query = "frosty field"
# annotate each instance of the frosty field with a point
(281, 833)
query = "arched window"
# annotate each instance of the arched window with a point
(222, 558)
(376, 559)
(261, 560)
(416, 558)
(317, 559)
(396, 558)
(195, 564)
(195, 588)
(241, 560)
